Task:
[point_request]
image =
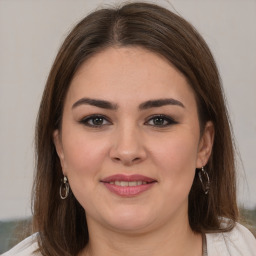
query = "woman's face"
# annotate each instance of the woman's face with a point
(130, 140)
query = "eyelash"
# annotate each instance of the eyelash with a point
(165, 121)
(85, 121)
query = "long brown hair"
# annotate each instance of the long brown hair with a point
(62, 223)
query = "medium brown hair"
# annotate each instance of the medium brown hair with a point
(62, 223)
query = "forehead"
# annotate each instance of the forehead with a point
(129, 74)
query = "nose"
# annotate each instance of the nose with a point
(128, 147)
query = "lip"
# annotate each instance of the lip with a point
(122, 177)
(128, 191)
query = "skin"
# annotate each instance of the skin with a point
(128, 140)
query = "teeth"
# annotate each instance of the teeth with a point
(128, 183)
(132, 183)
(124, 183)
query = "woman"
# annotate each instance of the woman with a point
(134, 149)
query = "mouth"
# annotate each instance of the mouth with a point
(128, 183)
(128, 186)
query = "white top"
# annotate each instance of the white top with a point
(238, 242)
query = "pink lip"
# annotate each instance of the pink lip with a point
(122, 177)
(128, 191)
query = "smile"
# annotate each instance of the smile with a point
(128, 183)
(128, 186)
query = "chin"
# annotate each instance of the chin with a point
(130, 221)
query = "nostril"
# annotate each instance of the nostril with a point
(136, 159)
(127, 155)
(126, 161)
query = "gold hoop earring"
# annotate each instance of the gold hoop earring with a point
(205, 180)
(64, 188)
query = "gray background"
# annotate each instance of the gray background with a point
(30, 35)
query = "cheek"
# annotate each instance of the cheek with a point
(84, 160)
(176, 159)
(83, 155)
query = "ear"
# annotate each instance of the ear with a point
(205, 145)
(59, 148)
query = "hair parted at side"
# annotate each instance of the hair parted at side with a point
(62, 223)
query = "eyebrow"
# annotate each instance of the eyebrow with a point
(160, 103)
(95, 102)
(111, 106)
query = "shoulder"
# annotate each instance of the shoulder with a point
(237, 242)
(25, 248)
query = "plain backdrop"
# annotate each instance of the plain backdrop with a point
(30, 35)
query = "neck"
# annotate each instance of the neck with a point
(170, 239)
